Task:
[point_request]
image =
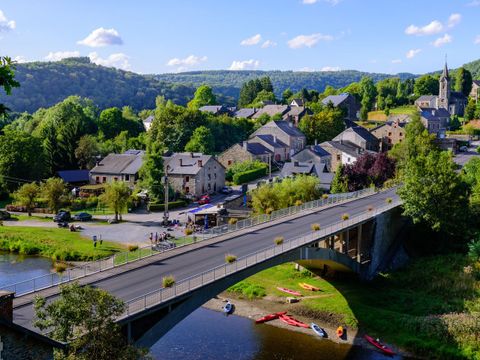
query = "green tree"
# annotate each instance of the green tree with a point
(86, 151)
(286, 96)
(470, 109)
(261, 97)
(203, 96)
(152, 171)
(26, 196)
(21, 158)
(85, 318)
(426, 85)
(110, 122)
(201, 141)
(339, 182)
(53, 190)
(434, 193)
(7, 80)
(324, 125)
(369, 93)
(116, 197)
(463, 81)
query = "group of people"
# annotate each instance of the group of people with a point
(191, 225)
(156, 238)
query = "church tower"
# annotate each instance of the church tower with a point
(444, 89)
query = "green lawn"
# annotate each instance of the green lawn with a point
(432, 308)
(380, 115)
(22, 217)
(58, 244)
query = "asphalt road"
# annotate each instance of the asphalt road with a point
(138, 282)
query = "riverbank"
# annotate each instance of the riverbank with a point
(430, 309)
(54, 243)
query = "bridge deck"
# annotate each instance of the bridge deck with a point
(147, 278)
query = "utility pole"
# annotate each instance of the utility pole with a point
(269, 166)
(165, 192)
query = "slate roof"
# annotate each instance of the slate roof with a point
(427, 98)
(214, 109)
(245, 113)
(364, 133)
(116, 164)
(74, 176)
(257, 149)
(476, 82)
(298, 110)
(345, 146)
(294, 167)
(314, 151)
(287, 129)
(185, 163)
(298, 102)
(269, 139)
(458, 95)
(336, 100)
(434, 114)
(272, 110)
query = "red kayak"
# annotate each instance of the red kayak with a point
(270, 317)
(379, 345)
(288, 291)
(292, 321)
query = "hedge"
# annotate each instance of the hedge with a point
(171, 205)
(246, 176)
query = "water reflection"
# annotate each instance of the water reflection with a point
(16, 268)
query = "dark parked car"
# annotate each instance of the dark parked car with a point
(62, 216)
(226, 190)
(83, 216)
(4, 215)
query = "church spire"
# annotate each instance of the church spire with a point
(445, 69)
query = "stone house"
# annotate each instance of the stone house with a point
(436, 121)
(194, 173)
(285, 132)
(315, 154)
(245, 151)
(345, 101)
(295, 114)
(389, 134)
(475, 93)
(272, 110)
(360, 137)
(118, 167)
(342, 153)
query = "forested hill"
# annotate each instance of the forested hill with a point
(474, 68)
(43, 84)
(229, 82)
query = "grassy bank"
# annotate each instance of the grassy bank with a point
(432, 308)
(58, 244)
(380, 115)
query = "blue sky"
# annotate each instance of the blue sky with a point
(159, 36)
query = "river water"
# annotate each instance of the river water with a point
(208, 334)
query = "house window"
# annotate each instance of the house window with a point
(104, 179)
(348, 160)
(187, 178)
(127, 177)
(229, 162)
(400, 134)
(97, 179)
(209, 176)
(389, 134)
(339, 157)
(215, 175)
(209, 187)
(187, 190)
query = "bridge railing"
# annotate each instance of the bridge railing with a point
(121, 258)
(187, 285)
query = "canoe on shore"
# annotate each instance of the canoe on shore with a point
(340, 331)
(379, 345)
(292, 321)
(288, 291)
(318, 330)
(269, 317)
(308, 287)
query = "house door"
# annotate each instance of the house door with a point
(277, 157)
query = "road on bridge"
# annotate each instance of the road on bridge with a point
(148, 278)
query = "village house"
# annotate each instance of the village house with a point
(118, 167)
(475, 93)
(244, 151)
(389, 134)
(285, 132)
(147, 123)
(272, 110)
(345, 101)
(296, 113)
(215, 109)
(194, 173)
(342, 153)
(314, 154)
(297, 103)
(360, 137)
(436, 121)
(246, 113)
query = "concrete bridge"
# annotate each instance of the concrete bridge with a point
(354, 244)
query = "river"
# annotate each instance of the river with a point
(208, 334)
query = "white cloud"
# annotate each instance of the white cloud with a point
(102, 37)
(117, 60)
(330, 68)
(396, 61)
(454, 19)
(308, 40)
(445, 39)
(269, 43)
(412, 53)
(331, 2)
(20, 59)
(191, 60)
(434, 27)
(477, 40)
(474, 3)
(254, 40)
(244, 65)
(59, 55)
(5, 24)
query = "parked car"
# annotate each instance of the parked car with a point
(205, 199)
(463, 148)
(62, 216)
(83, 216)
(4, 215)
(226, 190)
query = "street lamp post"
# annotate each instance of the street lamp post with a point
(165, 191)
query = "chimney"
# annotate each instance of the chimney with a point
(274, 138)
(245, 145)
(181, 161)
(316, 142)
(200, 163)
(6, 305)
